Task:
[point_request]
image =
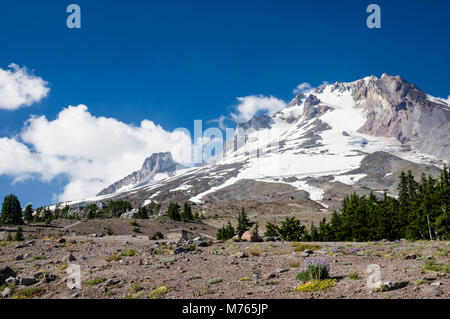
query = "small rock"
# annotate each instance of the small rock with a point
(433, 290)
(68, 258)
(28, 281)
(308, 251)
(240, 254)
(156, 236)
(179, 250)
(19, 257)
(304, 254)
(437, 283)
(11, 281)
(112, 282)
(29, 243)
(282, 270)
(61, 241)
(270, 276)
(410, 256)
(49, 278)
(75, 295)
(269, 239)
(5, 273)
(429, 257)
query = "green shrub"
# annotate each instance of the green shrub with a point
(316, 269)
(94, 282)
(353, 275)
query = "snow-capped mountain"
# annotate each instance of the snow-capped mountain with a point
(329, 141)
(157, 166)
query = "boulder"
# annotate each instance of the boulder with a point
(49, 277)
(68, 258)
(156, 236)
(28, 281)
(11, 281)
(5, 273)
(250, 236)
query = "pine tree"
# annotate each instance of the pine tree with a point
(143, 212)
(28, 213)
(173, 212)
(19, 234)
(272, 230)
(291, 229)
(314, 234)
(186, 213)
(243, 223)
(225, 233)
(11, 211)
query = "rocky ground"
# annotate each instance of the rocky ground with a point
(129, 265)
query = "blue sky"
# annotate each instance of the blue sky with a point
(175, 61)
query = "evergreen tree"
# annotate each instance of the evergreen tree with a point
(272, 230)
(291, 230)
(225, 233)
(37, 215)
(28, 213)
(243, 223)
(48, 216)
(143, 212)
(173, 212)
(186, 213)
(91, 210)
(19, 234)
(314, 233)
(11, 211)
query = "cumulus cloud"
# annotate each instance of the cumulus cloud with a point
(20, 88)
(250, 105)
(302, 87)
(93, 152)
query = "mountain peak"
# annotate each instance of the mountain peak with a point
(155, 164)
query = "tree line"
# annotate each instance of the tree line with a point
(421, 211)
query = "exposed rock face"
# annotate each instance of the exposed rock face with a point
(156, 163)
(396, 108)
(256, 122)
(312, 107)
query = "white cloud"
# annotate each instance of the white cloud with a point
(220, 121)
(250, 105)
(93, 152)
(302, 87)
(19, 88)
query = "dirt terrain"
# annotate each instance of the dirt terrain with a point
(129, 265)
